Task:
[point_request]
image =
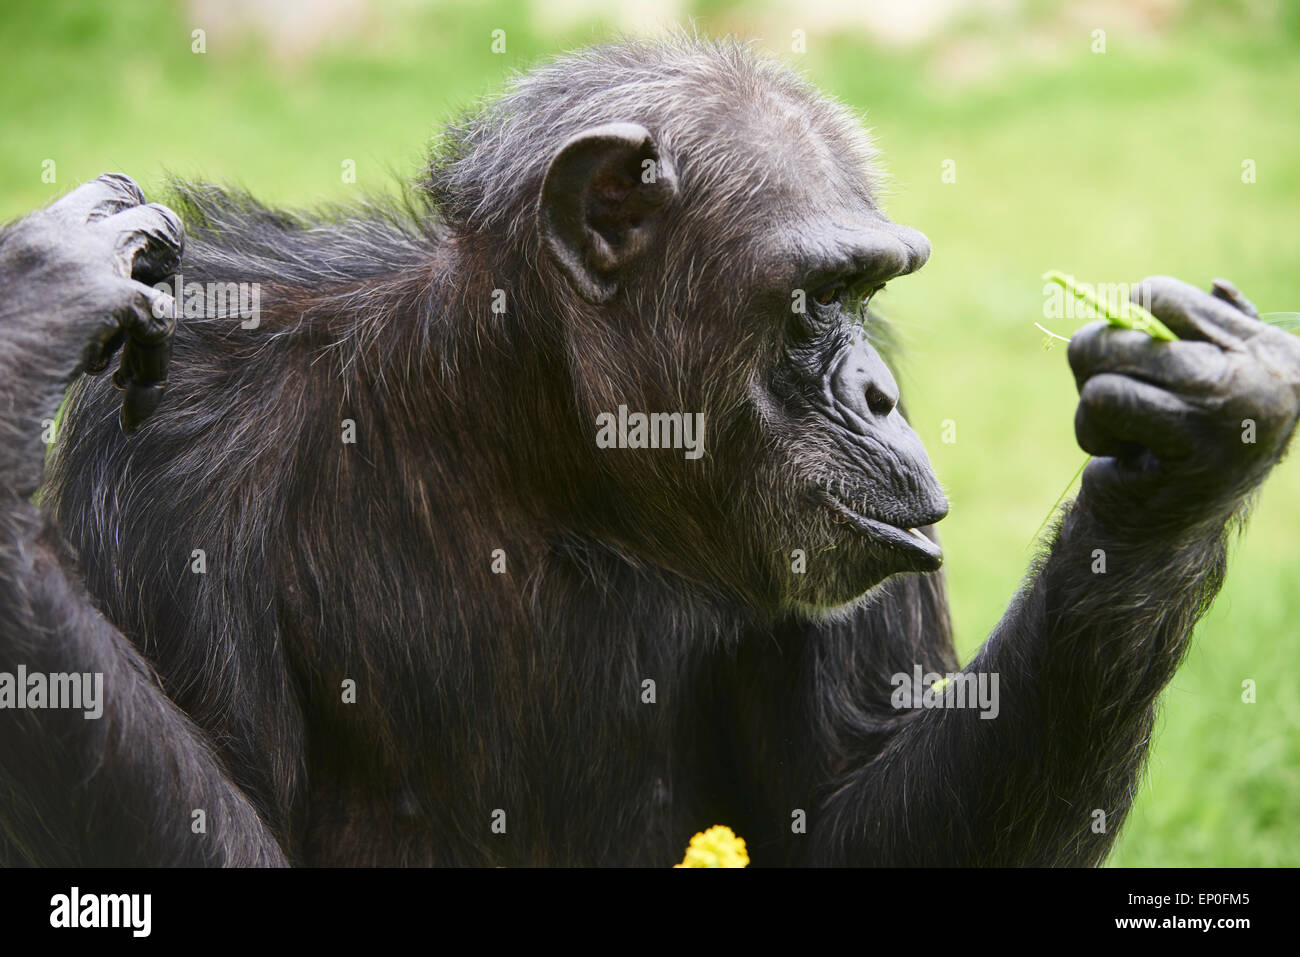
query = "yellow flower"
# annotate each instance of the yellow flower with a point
(716, 847)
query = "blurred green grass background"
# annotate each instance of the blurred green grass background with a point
(1110, 166)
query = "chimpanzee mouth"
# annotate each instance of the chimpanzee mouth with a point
(926, 554)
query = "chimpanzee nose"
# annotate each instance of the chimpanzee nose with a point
(864, 384)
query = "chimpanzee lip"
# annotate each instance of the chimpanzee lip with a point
(927, 554)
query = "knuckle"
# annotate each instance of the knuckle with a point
(1112, 394)
(172, 222)
(157, 318)
(1161, 294)
(1161, 283)
(137, 298)
(1083, 343)
(1086, 431)
(1093, 392)
(123, 187)
(1082, 419)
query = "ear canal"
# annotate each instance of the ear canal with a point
(602, 204)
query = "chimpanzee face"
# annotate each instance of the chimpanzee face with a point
(857, 477)
(809, 476)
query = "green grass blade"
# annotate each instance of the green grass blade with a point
(1128, 315)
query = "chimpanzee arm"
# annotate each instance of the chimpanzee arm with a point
(1079, 661)
(118, 779)
(1183, 433)
(120, 788)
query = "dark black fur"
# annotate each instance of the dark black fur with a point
(522, 692)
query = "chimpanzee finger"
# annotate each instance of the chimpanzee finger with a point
(104, 354)
(147, 323)
(1229, 293)
(1184, 366)
(1192, 314)
(105, 195)
(1118, 415)
(151, 240)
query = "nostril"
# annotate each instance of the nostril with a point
(878, 402)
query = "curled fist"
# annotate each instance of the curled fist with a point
(76, 280)
(1182, 431)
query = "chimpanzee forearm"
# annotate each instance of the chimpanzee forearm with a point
(120, 788)
(97, 764)
(1080, 659)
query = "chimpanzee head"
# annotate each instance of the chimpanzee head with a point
(697, 232)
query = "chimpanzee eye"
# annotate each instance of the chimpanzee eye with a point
(829, 293)
(865, 299)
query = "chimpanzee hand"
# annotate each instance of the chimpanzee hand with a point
(75, 284)
(1183, 431)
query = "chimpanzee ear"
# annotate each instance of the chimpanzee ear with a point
(603, 203)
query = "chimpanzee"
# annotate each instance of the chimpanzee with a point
(570, 509)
